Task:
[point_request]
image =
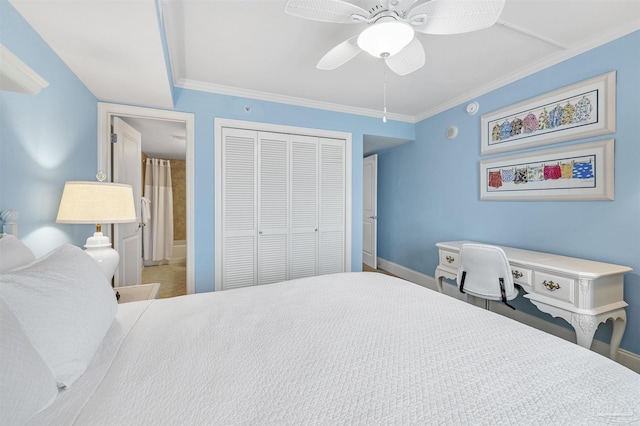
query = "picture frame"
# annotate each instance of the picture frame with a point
(577, 172)
(581, 110)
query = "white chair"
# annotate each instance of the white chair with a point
(484, 272)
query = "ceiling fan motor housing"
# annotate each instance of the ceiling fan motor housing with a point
(386, 37)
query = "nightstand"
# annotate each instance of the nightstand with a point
(135, 293)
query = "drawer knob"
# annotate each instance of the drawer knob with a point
(550, 285)
(517, 274)
(450, 259)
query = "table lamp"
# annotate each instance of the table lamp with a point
(98, 203)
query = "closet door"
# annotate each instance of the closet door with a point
(280, 204)
(239, 217)
(273, 207)
(331, 206)
(304, 207)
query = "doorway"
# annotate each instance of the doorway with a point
(370, 211)
(162, 185)
(141, 118)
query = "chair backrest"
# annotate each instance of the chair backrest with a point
(483, 266)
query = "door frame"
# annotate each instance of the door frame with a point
(219, 123)
(372, 219)
(106, 111)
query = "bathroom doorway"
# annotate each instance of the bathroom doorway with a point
(163, 203)
(167, 136)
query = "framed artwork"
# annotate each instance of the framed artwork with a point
(582, 110)
(577, 172)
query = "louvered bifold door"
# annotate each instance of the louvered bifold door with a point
(332, 206)
(239, 216)
(304, 207)
(273, 207)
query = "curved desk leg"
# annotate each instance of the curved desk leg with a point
(585, 327)
(440, 273)
(619, 319)
(439, 282)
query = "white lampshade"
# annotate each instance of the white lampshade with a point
(384, 39)
(98, 203)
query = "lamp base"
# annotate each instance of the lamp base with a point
(99, 248)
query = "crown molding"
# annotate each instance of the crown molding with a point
(532, 69)
(16, 76)
(537, 66)
(290, 100)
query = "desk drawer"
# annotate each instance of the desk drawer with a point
(560, 288)
(449, 259)
(521, 275)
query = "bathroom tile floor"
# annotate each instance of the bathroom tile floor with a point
(172, 279)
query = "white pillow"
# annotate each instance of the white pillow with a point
(65, 305)
(13, 253)
(27, 385)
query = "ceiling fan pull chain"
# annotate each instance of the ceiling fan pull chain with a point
(384, 96)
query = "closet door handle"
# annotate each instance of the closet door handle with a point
(260, 232)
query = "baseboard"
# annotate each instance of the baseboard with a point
(626, 358)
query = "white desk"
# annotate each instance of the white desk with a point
(582, 292)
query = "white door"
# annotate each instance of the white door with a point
(239, 216)
(331, 238)
(370, 211)
(273, 207)
(282, 207)
(127, 168)
(304, 207)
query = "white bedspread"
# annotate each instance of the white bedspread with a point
(355, 348)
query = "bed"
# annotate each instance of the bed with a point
(352, 348)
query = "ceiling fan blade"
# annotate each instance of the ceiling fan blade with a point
(401, 5)
(408, 59)
(455, 16)
(339, 55)
(325, 10)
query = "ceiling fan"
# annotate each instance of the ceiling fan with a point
(391, 26)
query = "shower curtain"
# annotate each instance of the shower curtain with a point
(157, 234)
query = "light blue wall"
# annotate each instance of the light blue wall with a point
(206, 106)
(428, 189)
(50, 138)
(45, 139)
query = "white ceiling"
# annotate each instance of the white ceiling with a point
(161, 138)
(112, 46)
(253, 49)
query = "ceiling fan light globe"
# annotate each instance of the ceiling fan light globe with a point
(385, 39)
